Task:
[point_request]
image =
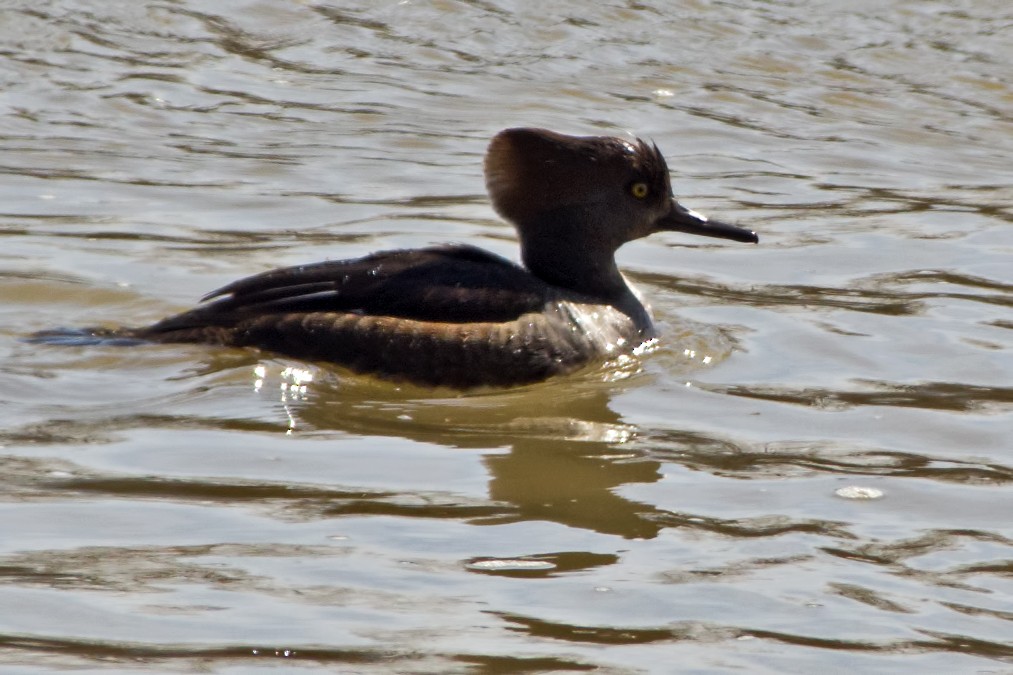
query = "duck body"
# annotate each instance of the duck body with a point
(460, 316)
(455, 316)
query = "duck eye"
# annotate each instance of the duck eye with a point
(639, 190)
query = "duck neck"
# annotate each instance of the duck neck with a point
(550, 252)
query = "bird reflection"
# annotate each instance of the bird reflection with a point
(567, 451)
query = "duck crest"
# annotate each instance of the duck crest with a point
(532, 171)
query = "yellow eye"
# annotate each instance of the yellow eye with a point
(639, 190)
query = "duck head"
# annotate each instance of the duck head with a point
(576, 199)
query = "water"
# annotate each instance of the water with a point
(186, 508)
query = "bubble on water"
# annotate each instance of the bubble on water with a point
(510, 565)
(858, 492)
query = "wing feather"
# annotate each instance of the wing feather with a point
(454, 284)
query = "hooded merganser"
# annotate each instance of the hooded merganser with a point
(456, 315)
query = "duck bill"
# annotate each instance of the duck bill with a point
(681, 219)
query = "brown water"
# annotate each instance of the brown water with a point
(185, 508)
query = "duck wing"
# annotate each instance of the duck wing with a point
(450, 284)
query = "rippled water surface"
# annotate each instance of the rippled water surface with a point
(189, 508)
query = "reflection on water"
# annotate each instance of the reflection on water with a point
(190, 507)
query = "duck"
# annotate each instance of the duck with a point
(458, 316)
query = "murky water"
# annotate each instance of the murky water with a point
(186, 508)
